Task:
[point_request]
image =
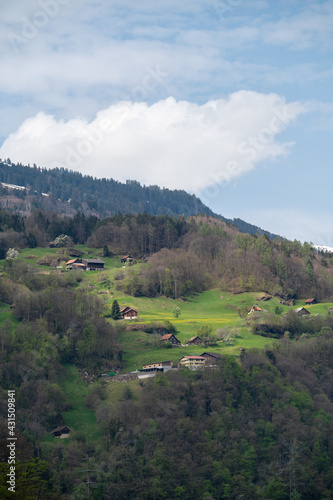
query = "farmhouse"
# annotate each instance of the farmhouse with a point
(211, 358)
(169, 337)
(128, 313)
(93, 264)
(195, 341)
(301, 311)
(75, 264)
(192, 362)
(61, 431)
(309, 302)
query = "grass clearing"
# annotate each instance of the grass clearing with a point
(79, 417)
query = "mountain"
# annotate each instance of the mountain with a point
(63, 191)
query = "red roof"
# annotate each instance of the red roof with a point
(167, 336)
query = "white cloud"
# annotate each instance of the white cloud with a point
(172, 144)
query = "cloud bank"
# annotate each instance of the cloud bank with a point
(174, 144)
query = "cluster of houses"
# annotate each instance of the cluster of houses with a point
(85, 264)
(205, 360)
(301, 311)
(94, 264)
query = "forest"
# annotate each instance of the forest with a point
(259, 429)
(89, 195)
(67, 192)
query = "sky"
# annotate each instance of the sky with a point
(228, 99)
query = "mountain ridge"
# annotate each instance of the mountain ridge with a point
(59, 190)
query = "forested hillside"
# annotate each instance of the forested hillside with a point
(185, 254)
(256, 426)
(259, 430)
(101, 197)
(61, 191)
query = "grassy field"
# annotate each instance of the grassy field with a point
(79, 417)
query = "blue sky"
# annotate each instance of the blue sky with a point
(228, 99)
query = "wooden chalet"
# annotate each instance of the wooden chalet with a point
(127, 312)
(93, 264)
(211, 358)
(192, 362)
(195, 341)
(309, 302)
(301, 311)
(169, 337)
(61, 431)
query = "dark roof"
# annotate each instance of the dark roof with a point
(212, 354)
(60, 428)
(302, 309)
(127, 308)
(93, 261)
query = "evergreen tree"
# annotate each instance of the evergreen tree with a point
(115, 310)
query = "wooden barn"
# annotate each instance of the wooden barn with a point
(61, 431)
(127, 312)
(195, 341)
(93, 264)
(301, 311)
(169, 337)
